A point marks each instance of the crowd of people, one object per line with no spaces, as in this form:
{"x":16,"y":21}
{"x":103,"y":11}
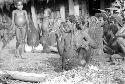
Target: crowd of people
{"x":77,"y":39}
{"x":80,"y":38}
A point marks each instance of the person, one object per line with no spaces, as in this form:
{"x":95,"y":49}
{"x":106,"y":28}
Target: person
{"x":83,"y":43}
{"x":65,"y":46}
{"x":71,"y":45}
{"x":6,"y":22}
{"x":39,"y":22}
{"x":120,"y":38}
{"x":19,"y":24}
{"x":46,"y":30}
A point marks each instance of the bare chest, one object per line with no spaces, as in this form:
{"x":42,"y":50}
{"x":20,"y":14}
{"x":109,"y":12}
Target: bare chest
{"x":20,"y":18}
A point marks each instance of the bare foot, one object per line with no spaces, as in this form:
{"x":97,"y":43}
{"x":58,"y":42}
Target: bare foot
{"x":16,"y":55}
{"x":19,"y":56}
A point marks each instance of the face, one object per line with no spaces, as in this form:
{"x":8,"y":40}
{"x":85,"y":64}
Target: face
{"x":19,"y":6}
{"x":101,"y":20}
{"x":65,"y":27}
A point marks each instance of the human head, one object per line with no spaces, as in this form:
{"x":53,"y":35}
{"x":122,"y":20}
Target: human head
{"x":19,"y":4}
{"x":71,"y":18}
{"x":47,"y":12}
{"x":65,"y":27}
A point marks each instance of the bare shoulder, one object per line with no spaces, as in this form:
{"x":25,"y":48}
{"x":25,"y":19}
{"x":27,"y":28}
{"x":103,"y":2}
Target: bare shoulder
{"x":15,"y":11}
{"x":24,"y":11}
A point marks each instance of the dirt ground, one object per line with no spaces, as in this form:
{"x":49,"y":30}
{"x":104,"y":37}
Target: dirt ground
{"x":100,"y":73}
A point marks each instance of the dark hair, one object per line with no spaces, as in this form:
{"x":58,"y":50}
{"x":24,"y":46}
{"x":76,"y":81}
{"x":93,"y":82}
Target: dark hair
{"x":71,"y":18}
{"x":17,"y":2}
{"x":113,"y":28}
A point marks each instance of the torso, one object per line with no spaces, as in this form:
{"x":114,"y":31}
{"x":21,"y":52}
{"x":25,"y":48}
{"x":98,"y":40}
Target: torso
{"x":69,"y":50}
{"x":67,"y":41}
{"x":20,"y":18}
{"x":46,"y":23}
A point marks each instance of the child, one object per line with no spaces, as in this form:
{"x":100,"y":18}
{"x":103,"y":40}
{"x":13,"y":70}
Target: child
{"x":19,"y":23}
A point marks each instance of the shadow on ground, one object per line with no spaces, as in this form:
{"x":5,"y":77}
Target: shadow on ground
{"x":56,"y":63}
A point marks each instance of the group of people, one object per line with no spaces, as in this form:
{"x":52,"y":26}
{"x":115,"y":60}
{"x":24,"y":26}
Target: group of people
{"x":71,"y":37}
{"x":75,"y":38}
{"x":78,"y":38}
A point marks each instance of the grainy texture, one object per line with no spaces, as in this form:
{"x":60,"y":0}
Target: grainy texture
{"x":96,"y":33}
{"x":51,"y":64}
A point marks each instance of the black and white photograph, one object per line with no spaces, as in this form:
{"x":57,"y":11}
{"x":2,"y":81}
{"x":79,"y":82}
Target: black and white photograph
{"x":62,"y":41}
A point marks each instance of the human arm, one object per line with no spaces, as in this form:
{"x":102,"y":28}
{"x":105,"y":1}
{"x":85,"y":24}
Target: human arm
{"x":120,"y":34}
{"x":12,"y":28}
{"x":13,"y":13}
{"x":60,"y":44}
{"x":90,"y":41}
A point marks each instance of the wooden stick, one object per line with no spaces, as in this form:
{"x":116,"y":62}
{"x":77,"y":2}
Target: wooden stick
{"x":31,"y":77}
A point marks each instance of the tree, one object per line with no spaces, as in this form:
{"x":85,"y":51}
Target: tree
{"x":71,"y":7}
{"x":84,"y":7}
{"x":34,"y":16}
{"x":62,"y":12}
{"x":76,"y":8}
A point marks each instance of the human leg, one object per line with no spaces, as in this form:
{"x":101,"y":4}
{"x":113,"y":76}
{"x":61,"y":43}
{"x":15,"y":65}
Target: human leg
{"x":18,"y":41}
{"x":82,"y":56}
{"x":23,"y":31}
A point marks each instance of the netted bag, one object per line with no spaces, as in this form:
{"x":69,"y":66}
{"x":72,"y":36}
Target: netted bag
{"x":78,"y":38}
{"x":96,"y":32}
